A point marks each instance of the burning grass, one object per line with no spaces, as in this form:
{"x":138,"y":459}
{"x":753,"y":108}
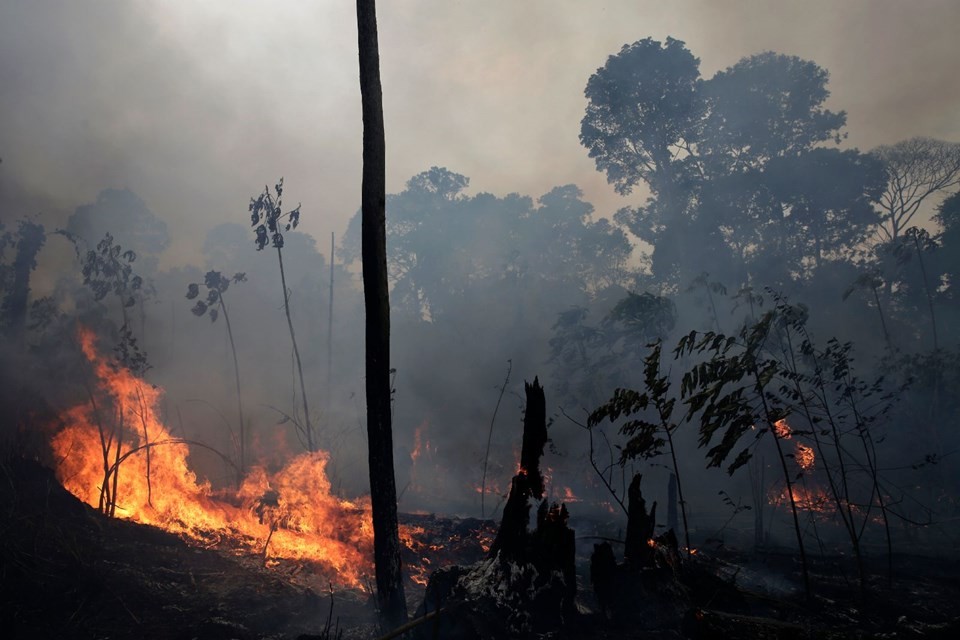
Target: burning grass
{"x":115,"y":453}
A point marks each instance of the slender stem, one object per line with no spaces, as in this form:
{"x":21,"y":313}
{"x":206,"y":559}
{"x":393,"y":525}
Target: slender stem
{"x":883,"y":322}
{"x":926,"y":289}
{"x":486,"y":457}
{"x":786,"y":477}
{"x":146,"y":441}
{"x":236,"y":372}
{"x":116,"y":465}
{"x":330,"y":326}
{"x":308,"y":427}
{"x":676,"y":473}
{"x":842,"y":502}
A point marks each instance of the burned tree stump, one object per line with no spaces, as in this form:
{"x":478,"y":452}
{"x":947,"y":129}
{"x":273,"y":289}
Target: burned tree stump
{"x":511,"y":541}
{"x":527,"y":584}
{"x":638,"y":548}
{"x":647,"y":591}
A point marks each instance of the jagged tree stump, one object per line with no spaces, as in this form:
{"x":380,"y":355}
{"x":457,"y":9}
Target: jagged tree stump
{"x":527,"y":584}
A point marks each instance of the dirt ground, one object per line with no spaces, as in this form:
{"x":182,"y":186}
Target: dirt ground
{"x":68,"y":572}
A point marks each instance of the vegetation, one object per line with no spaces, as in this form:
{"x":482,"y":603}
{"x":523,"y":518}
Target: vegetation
{"x":850,"y":354}
{"x":270,"y":221}
{"x":214,"y":305}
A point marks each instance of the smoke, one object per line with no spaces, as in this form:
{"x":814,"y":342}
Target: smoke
{"x":181,"y":112}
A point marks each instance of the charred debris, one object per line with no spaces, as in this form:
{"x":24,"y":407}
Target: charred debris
{"x":71,"y":571}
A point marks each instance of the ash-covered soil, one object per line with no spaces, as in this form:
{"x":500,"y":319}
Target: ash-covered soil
{"x":68,"y":572}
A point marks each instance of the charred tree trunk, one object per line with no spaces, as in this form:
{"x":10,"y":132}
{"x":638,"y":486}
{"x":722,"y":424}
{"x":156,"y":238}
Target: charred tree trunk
{"x":511,"y":540}
{"x":383,"y":489}
{"x":638,"y":550}
{"x":672,"y":503}
{"x":527,"y":585}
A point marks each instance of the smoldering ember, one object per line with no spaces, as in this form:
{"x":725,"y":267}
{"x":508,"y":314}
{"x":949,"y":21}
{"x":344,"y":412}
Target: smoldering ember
{"x":710,"y":393}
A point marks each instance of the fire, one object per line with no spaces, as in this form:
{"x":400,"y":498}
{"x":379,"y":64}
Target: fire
{"x":815,"y":500}
{"x":420,"y":444}
{"x":115,"y":454}
{"x":803,"y":454}
{"x":782,"y":429}
{"x":805,"y":457}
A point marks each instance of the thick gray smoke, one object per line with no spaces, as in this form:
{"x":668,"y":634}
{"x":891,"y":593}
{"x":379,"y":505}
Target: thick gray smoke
{"x":515,"y":244}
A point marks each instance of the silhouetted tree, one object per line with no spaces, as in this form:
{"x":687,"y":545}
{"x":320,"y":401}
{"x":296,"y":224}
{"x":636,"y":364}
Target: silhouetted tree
{"x":738,"y":184}
{"x":123,"y":215}
{"x":447,"y":249}
{"x":917,"y":169}
{"x":644,"y":112}
{"x":269,"y":221}
{"x":28,"y":240}
{"x":383,"y":490}
{"x":948,"y":217}
{"x":215,"y":304}
{"x":108,"y":269}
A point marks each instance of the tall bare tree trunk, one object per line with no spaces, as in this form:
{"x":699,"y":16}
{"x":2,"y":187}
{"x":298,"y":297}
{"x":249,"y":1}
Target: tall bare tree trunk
{"x":383,"y":489}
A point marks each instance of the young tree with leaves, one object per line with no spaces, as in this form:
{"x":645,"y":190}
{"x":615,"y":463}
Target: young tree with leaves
{"x":270,"y":221}
{"x":214,"y":305}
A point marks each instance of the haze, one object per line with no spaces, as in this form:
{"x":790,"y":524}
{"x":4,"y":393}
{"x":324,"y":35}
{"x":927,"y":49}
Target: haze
{"x":194,"y":106}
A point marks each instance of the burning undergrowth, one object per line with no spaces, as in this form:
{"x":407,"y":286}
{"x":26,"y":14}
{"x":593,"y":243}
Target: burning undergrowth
{"x":114,"y":453}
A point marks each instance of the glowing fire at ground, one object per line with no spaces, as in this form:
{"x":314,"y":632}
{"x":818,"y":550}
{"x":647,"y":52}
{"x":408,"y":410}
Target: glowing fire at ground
{"x":814,"y":500}
{"x":290,"y":514}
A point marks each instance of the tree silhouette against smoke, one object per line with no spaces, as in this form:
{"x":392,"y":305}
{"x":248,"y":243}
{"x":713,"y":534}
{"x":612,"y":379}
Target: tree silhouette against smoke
{"x":214,"y":305}
{"x":448,"y":250}
{"x":383,"y":489}
{"x":732,"y":164}
{"x":916,"y":169}
{"x":269,"y":221}
{"x":15,"y":277}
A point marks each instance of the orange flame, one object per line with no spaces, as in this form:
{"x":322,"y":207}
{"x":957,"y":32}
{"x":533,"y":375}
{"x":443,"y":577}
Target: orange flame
{"x":290,"y":514}
{"x":805,"y":457}
{"x":803,"y":454}
{"x":816,"y":500}
{"x":782,"y":429}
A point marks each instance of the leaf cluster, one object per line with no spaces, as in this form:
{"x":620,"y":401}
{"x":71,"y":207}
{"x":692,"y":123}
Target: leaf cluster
{"x":109,"y":269}
{"x":129,"y":355}
{"x":216,"y":284}
{"x":268,"y":218}
{"x":646,"y":438}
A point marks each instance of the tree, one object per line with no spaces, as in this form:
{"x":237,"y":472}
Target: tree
{"x":766,"y":106}
{"x":15,"y":278}
{"x":448,"y":250}
{"x":591,"y":358}
{"x":916,"y":169}
{"x":126,"y":217}
{"x":269,"y":222}
{"x":733,"y":164}
{"x":383,"y":489}
{"x":109,"y":269}
{"x":645,"y":109}
{"x":948,"y":217}
{"x":215,"y":304}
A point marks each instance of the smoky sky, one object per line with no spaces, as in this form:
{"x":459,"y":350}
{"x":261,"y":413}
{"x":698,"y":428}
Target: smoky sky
{"x":194,"y":106}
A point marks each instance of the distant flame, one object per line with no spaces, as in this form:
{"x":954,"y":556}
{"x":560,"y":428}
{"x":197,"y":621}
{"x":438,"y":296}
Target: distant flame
{"x":420,"y":443}
{"x":805,"y":457}
{"x":782,"y":429}
{"x":803,"y":454}
{"x":815,"y":500}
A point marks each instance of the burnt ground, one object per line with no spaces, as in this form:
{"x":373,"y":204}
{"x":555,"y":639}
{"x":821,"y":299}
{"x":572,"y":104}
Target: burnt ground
{"x":68,"y":572}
